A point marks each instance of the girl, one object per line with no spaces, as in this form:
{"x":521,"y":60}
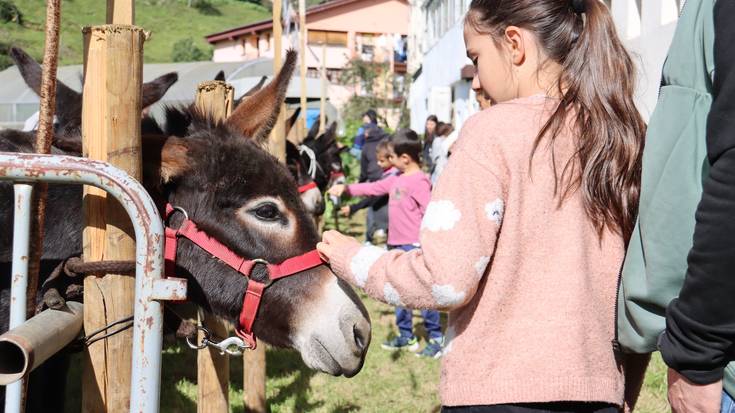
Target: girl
{"x":525,"y":232}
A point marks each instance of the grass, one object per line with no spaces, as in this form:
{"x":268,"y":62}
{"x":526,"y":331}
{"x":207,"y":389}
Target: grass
{"x":167,"y":20}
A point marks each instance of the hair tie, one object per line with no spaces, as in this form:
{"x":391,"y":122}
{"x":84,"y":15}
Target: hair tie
{"x":579,"y":6}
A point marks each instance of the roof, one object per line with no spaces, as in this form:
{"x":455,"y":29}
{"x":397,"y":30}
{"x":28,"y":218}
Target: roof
{"x":268,"y":24}
{"x":241,"y":75}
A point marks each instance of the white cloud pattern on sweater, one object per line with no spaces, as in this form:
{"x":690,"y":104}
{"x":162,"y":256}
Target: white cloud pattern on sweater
{"x":481,"y":265}
{"x":362,"y":261}
{"x":391,"y":295}
{"x":440,"y":216}
{"x":446,"y":296}
{"x":494,"y":211}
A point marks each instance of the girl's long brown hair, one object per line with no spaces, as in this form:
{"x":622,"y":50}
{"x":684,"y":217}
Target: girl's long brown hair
{"x":597,"y":84}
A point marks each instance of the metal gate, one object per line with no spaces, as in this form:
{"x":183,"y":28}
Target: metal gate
{"x":150,"y":286}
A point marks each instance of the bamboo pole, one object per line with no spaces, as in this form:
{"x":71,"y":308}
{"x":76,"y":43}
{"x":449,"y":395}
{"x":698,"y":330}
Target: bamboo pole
{"x":213,"y":369}
{"x":302,"y":59}
{"x":111,"y":110}
{"x":323,"y":97}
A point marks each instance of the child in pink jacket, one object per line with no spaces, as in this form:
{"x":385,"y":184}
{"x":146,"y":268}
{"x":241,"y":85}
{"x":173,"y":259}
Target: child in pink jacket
{"x":409,"y":192}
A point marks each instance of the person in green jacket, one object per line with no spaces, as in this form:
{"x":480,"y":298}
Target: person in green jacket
{"x":680,"y":241}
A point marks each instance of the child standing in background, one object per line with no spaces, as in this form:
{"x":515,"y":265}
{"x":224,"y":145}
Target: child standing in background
{"x":384,"y":154}
{"x":409,"y":193}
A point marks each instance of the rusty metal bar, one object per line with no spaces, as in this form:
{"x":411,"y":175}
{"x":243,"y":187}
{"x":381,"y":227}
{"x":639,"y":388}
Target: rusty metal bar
{"x":149,"y":285}
{"x":30,"y":344}
{"x":19,"y":282}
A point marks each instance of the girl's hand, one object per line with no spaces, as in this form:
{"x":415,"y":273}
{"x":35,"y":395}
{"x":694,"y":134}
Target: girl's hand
{"x":345,"y":211}
{"x":333,"y":241}
{"x":337,"y":190}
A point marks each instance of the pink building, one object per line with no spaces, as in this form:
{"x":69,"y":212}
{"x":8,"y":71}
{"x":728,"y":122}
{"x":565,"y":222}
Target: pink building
{"x":373,"y":30}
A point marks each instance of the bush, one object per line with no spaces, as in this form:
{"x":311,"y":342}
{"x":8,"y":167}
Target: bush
{"x":9,"y":12}
{"x":185,"y":50}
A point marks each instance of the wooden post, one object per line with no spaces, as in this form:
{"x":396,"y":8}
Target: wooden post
{"x":323,"y":98}
{"x":110,"y":132}
{"x":120,"y":12}
{"x":302,"y":58}
{"x":254,"y":361}
{"x":213,"y":369}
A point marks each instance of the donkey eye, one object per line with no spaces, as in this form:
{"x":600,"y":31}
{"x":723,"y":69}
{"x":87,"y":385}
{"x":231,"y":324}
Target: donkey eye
{"x":267,"y":212}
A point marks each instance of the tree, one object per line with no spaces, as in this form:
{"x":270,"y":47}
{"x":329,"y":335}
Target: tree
{"x":185,"y":50}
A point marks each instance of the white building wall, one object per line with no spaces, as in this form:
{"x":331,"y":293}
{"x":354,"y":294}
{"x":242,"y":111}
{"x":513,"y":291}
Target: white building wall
{"x":645,"y":26}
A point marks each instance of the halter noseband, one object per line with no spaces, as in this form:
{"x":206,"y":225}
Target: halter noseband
{"x":306,"y":187}
{"x":254,"y":292}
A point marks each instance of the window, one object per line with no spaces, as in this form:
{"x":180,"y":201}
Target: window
{"x":328,"y":38}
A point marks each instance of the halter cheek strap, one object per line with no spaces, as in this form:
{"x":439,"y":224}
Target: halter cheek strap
{"x":255,"y":289}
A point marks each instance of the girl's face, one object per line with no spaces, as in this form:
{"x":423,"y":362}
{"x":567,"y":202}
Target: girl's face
{"x":493,"y":66}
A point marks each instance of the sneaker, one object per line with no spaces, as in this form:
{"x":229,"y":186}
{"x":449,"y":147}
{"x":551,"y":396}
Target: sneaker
{"x":402,"y":343}
{"x":433,"y":349}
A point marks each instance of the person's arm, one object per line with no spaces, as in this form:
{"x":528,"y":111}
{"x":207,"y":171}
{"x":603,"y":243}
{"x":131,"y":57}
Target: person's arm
{"x":381,"y":187}
{"x":363,"y":203}
{"x":700,"y":324}
{"x":458,"y":235}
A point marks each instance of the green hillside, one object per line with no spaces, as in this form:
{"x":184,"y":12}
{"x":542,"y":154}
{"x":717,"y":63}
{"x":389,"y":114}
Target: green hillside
{"x":168,"y":21}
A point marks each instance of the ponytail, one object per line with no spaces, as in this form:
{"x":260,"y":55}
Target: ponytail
{"x":596,"y":85}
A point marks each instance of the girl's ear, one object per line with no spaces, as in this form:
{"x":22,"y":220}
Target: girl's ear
{"x":515,"y":42}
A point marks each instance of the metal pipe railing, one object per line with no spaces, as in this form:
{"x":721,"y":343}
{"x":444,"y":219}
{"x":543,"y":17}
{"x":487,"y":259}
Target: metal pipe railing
{"x":150,"y":286}
{"x":19,"y":281}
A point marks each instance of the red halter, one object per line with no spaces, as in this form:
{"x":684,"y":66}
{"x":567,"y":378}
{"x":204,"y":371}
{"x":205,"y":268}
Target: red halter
{"x":306,"y":187}
{"x":251,"y":299}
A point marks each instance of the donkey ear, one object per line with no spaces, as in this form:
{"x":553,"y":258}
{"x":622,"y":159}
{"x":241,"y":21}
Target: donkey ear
{"x":256,"y":115}
{"x":331,"y":133}
{"x":314,"y":130}
{"x":154,"y":90}
{"x":68,"y":102}
{"x":292,"y":120}
{"x":175,"y":160}
{"x":255,"y":88}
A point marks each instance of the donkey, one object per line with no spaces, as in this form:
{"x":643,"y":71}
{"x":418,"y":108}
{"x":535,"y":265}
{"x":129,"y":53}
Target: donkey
{"x":219,"y":173}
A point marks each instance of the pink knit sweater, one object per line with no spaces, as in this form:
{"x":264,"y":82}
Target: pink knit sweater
{"x":529,"y":286}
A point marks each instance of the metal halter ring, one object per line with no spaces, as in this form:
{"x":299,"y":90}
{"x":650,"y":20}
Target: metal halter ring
{"x":176,"y":209}
{"x":205,"y":340}
{"x":268,"y":282}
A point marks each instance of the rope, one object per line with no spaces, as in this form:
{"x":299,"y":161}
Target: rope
{"x":75,"y":266}
{"x":303,"y":149}
{"x":90,"y":338}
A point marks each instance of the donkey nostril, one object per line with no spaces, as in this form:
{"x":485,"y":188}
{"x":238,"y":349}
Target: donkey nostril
{"x":359,"y":339}
{"x":361,"y":334}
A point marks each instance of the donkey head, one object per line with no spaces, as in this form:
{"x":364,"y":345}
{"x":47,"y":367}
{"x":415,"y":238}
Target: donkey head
{"x":303,"y":168}
{"x":242,"y":196}
{"x":327,"y":153}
